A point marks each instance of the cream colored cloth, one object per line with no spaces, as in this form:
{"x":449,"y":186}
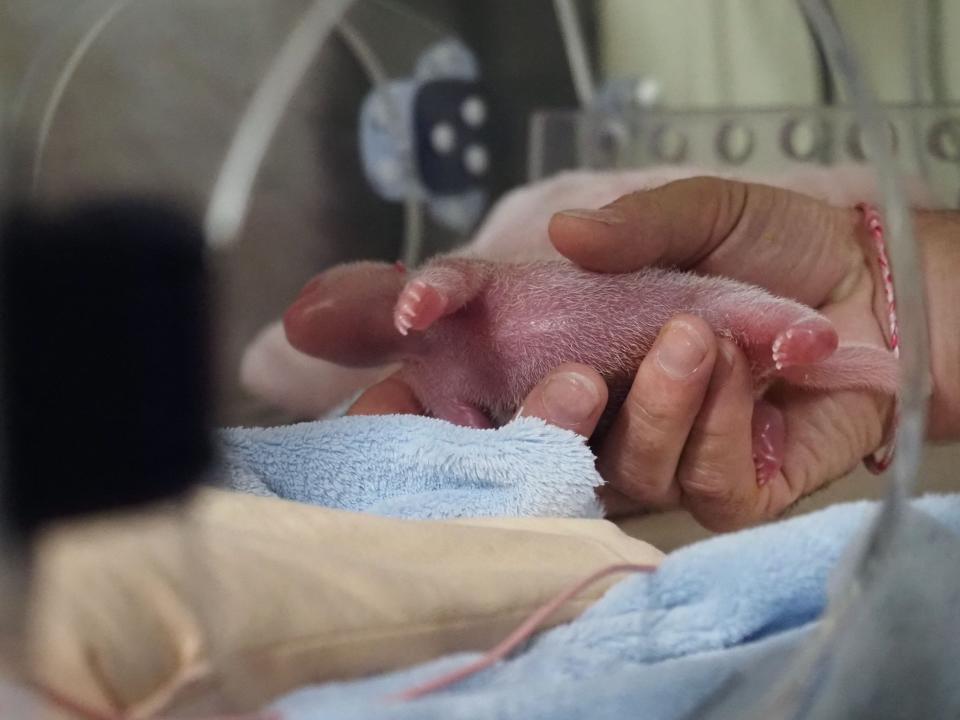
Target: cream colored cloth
{"x":133,"y":616}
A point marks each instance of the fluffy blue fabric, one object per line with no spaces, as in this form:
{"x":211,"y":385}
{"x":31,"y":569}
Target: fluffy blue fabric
{"x":416,"y":467}
{"x":657,"y":646}
{"x":665,"y":644}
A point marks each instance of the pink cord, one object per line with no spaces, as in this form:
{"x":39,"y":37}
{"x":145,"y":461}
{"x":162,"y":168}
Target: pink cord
{"x":880,"y":460}
{"x":522,"y":633}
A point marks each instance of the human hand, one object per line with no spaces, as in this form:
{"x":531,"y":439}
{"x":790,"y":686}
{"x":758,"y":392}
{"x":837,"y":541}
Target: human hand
{"x":687,"y":435}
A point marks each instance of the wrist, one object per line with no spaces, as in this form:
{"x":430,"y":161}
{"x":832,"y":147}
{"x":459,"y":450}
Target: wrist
{"x":938,"y":240}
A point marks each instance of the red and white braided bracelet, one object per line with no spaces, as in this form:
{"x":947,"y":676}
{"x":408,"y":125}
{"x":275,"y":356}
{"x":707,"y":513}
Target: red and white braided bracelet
{"x":880,"y":460}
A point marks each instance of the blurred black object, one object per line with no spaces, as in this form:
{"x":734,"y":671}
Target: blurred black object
{"x":105,"y":363}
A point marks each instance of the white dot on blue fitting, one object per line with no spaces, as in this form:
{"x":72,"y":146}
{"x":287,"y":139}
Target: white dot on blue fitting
{"x":443,"y":138}
{"x":473,"y":110}
{"x":388,"y":171}
{"x":476,"y":159}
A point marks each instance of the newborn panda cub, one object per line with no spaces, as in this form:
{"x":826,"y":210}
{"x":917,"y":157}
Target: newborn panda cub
{"x":474,"y":337}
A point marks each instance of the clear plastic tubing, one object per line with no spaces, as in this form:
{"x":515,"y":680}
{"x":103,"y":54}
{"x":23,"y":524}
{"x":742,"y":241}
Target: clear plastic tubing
{"x":412,"y":206}
{"x":94,"y":17}
{"x":230,"y":197}
{"x":914,"y":343}
{"x":786,"y":699}
{"x":576,"y":49}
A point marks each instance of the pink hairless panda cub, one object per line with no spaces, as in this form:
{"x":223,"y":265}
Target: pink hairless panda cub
{"x":474,"y":337}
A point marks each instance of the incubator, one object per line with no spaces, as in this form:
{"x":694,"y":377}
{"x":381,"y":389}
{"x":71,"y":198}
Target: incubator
{"x":163,"y":159}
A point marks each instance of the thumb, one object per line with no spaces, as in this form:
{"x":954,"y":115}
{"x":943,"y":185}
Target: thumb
{"x":792,"y":244}
{"x":573,"y":397}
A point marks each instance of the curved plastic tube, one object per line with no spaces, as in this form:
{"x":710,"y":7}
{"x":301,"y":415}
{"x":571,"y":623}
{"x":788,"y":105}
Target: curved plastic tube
{"x":231,"y":193}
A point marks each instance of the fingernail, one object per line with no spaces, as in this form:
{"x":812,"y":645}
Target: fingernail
{"x":723,"y":368}
{"x":607,"y":216}
{"x":569,"y":398}
{"x":728,"y":352}
{"x":681,"y":350}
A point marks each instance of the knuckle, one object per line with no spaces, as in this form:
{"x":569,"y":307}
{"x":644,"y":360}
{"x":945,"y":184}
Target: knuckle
{"x":643,"y":481}
{"x":653,"y":420}
{"x":661,"y":409}
{"x":715,"y":440}
{"x":726,"y":202}
{"x":710,"y":494}
{"x":720,"y":522}
{"x":706,"y":481}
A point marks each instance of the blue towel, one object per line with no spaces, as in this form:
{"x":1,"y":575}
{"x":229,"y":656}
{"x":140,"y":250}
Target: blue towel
{"x":416,"y":467}
{"x":667,"y":644}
